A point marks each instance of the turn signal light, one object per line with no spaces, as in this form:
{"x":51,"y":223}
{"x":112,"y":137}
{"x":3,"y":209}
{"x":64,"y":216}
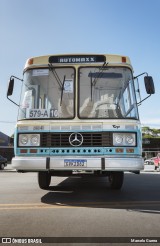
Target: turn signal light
{"x":33,"y":151}
{"x":119,"y":150}
{"x":23,"y":151}
{"x":130,"y":150}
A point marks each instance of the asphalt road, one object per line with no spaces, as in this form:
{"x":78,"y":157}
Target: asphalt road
{"x":79,"y":207}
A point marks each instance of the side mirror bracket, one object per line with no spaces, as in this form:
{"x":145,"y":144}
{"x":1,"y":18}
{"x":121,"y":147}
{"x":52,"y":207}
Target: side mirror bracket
{"x":11,"y":87}
{"x":149,"y":85}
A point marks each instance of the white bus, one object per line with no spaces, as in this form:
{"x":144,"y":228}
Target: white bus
{"x":78,"y":113}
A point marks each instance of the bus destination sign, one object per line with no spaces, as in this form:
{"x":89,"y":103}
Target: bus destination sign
{"x":77,"y":59}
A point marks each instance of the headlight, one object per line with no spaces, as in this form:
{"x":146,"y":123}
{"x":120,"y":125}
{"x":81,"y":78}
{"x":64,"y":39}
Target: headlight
{"x":129,"y":139}
{"x":29,"y":140}
{"x":35,"y":140}
{"x":23,"y":139}
{"x":124,"y":139}
{"x":118,"y":139}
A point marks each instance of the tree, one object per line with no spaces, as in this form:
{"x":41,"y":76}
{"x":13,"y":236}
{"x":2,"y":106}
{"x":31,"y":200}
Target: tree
{"x":148,"y":132}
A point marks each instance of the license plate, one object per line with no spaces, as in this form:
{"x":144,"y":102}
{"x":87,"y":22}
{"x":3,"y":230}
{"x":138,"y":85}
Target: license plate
{"x":75,"y":163}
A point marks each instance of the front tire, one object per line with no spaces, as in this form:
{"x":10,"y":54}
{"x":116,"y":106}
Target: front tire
{"x":2,"y":166}
{"x":44,"y":180}
{"x":116,"y":180}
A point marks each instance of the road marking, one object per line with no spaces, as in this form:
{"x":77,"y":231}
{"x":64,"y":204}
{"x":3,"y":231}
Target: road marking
{"x":30,"y":206}
{"x":117,"y":204}
{"x":8,"y":170}
{"x":81,"y":203}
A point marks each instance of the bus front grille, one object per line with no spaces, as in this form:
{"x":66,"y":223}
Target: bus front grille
{"x":90,"y":139}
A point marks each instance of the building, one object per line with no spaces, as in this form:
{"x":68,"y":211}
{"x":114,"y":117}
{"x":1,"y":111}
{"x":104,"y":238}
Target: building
{"x":151,"y":147}
{"x":4,"y":139}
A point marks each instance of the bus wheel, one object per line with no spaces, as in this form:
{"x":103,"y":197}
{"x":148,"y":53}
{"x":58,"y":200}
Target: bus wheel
{"x":44,"y":180}
{"x":116,"y":180}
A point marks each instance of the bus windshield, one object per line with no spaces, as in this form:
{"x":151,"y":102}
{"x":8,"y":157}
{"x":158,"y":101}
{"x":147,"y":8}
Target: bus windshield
{"x":103,"y":93}
{"x":48,"y":93}
{"x":106,"y":92}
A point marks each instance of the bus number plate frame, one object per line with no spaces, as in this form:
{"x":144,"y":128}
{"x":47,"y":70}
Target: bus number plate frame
{"x":75,"y":163}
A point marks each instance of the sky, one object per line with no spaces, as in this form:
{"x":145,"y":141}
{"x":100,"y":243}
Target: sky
{"x":31,"y":28}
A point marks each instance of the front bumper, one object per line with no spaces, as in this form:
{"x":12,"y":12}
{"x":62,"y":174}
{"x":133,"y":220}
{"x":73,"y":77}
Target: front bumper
{"x":93,"y":163}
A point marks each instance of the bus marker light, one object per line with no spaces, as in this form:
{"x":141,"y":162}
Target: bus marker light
{"x":124,"y":59}
{"x":30,"y":61}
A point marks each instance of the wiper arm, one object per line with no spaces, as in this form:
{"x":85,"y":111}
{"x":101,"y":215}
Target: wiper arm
{"x":62,"y":89}
{"x":101,"y":70}
{"x":61,"y":85}
{"x":91,"y":86}
{"x":51,"y":68}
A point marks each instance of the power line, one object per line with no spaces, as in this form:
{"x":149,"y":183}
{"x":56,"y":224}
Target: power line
{"x":8,"y":122}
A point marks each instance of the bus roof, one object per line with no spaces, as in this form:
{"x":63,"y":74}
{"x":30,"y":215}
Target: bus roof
{"x":77,"y":59}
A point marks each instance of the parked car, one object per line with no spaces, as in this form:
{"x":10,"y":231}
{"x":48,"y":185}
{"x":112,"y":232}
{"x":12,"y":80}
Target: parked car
{"x":3,"y":162}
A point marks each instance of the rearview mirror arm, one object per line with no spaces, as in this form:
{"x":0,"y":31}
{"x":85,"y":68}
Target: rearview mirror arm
{"x":139,"y":103}
{"x":7,"y":95}
{"x":12,"y":101}
{"x":140,"y":75}
{"x":16,"y":78}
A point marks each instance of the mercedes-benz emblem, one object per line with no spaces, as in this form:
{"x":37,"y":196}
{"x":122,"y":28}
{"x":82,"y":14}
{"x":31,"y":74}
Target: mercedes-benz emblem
{"x":76,"y":139}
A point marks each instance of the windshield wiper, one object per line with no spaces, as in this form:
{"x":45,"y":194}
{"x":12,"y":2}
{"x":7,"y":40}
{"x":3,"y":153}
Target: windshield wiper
{"x":62,"y":89}
{"x":93,"y":83}
{"x":91,"y":86}
{"x":52,"y":69}
{"x":101,"y":70}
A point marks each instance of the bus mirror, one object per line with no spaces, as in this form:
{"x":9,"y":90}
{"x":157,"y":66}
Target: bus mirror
{"x":10,"y":87}
{"x":149,"y":84}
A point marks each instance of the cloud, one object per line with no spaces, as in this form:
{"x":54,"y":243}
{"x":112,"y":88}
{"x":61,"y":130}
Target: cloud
{"x":152,"y":122}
